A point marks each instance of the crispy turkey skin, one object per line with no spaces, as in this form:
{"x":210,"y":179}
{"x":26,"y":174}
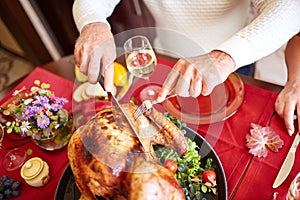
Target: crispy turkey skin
{"x":107,"y":159}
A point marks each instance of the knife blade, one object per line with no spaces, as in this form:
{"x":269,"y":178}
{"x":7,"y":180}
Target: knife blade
{"x":118,"y":107}
{"x":288,"y":163}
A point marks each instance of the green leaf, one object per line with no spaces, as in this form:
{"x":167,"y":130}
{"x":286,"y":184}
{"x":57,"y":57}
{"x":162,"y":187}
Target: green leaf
{"x":17,"y":129}
{"x":9,"y":130}
{"x":78,"y":120}
{"x":134,"y":101}
{"x":29,"y":152}
{"x":209,"y":164}
{"x":203,"y":188}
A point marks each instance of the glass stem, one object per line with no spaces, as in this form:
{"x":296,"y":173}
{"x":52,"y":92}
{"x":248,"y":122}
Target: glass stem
{"x":1,"y":147}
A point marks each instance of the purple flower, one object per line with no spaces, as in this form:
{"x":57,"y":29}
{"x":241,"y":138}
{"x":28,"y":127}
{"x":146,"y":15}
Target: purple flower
{"x":46,"y":107}
{"x":43,"y":122}
{"x":18,"y":119}
{"x":36,"y":110}
{"x":63,"y":100}
{"x":28,"y":112}
{"x":41,"y":100}
{"x":56,"y":106}
{"x":23,"y":134}
{"x":58,"y":103}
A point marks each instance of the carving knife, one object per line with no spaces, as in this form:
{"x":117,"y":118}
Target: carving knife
{"x":122,"y":112}
{"x":288,"y":163}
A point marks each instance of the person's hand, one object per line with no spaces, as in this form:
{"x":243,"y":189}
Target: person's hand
{"x":95,"y":52}
{"x":287,"y":102}
{"x":197,"y":75}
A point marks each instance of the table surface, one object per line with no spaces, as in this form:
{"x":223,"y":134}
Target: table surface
{"x":248,"y":177}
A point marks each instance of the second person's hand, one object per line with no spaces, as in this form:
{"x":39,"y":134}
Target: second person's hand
{"x":197,"y":75}
{"x":95,"y":52}
{"x":287,"y":102}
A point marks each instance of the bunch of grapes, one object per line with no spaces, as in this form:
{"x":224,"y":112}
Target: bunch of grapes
{"x":9,"y":187}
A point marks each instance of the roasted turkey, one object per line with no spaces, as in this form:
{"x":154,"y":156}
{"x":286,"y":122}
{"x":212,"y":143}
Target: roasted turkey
{"x":108,"y":160}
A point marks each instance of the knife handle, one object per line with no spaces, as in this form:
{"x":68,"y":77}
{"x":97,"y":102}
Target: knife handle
{"x":295,"y":143}
{"x":101,"y":81}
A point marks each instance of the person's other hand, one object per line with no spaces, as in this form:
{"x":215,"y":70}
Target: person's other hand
{"x":287,"y":102}
{"x":197,"y":75}
{"x":95,"y":52}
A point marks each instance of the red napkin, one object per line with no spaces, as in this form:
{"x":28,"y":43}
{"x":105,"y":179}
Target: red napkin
{"x":263,"y":171}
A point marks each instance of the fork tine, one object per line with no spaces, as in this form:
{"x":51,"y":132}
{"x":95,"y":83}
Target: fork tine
{"x":137,"y":110}
{"x":141,"y":110}
{"x":136,"y":113}
{"x":146,"y":105}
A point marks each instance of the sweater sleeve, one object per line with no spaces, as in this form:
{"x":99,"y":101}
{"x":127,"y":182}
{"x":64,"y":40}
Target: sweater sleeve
{"x":89,"y":11}
{"x":277,"y":21}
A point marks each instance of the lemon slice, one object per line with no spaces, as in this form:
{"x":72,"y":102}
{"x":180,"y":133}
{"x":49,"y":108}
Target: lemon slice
{"x":79,"y":75}
{"x":77,"y":94}
{"x":95,"y":90}
{"x":120,"y":75}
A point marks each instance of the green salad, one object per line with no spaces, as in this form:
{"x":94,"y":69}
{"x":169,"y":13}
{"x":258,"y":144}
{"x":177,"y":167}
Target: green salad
{"x":194,"y":177}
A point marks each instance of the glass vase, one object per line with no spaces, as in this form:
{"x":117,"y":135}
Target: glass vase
{"x":53,"y":138}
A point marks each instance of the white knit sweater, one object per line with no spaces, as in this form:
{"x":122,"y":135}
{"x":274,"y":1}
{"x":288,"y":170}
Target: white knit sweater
{"x":194,"y":27}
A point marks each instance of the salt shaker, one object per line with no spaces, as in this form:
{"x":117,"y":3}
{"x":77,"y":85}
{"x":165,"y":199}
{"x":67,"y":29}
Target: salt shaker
{"x":294,"y":190}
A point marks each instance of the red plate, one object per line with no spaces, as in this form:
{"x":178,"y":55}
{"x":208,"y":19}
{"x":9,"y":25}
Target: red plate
{"x":222,"y":103}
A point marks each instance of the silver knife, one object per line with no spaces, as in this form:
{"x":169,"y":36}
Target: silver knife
{"x":288,"y":163}
{"x":122,"y":112}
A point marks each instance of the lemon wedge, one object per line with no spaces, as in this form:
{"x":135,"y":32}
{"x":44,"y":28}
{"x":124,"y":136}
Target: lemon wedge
{"x":79,"y":75}
{"x":120,"y":75}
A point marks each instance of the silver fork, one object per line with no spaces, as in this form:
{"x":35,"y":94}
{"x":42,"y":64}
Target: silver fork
{"x":147,"y":105}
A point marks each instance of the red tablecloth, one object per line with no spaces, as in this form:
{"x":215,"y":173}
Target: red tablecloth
{"x":259,"y":178}
{"x":247,"y":177}
{"x":57,"y":160}
{"x":230,"y":143}
{"x":228,"y":140}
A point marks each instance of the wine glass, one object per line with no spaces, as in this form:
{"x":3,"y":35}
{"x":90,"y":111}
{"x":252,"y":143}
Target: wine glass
{"x":294,"y":189}
{"x":13,"y":159}
{"x":140,"y":57}
{"x":141,"y":62}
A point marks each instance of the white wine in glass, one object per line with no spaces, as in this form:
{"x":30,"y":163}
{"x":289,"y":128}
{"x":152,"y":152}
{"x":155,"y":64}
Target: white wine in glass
{"x":140,"y":57}
{"x":13,"y":159}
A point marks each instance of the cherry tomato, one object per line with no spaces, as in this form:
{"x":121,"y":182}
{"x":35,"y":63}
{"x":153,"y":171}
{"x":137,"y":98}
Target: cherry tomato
{"x":171,"y":165}
{"x":209,"y":176}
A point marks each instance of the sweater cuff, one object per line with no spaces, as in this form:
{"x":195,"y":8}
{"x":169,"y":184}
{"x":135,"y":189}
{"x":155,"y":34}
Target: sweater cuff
{"x":91,"y":18}
{"x":239,"y":49}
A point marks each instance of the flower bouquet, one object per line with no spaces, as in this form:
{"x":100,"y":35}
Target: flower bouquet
{"x":40,"y":114}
